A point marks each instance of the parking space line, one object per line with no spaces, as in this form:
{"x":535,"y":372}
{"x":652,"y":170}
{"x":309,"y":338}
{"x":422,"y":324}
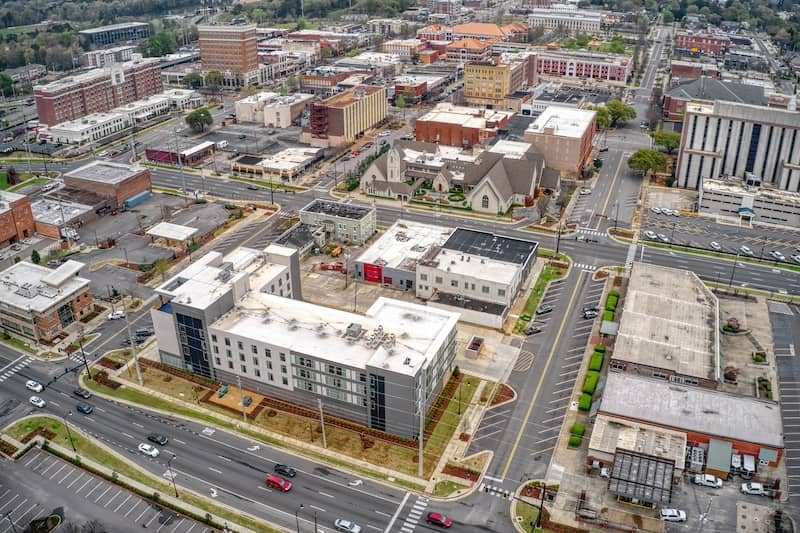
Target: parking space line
{"x":142,"y":514}
{"x":32,"y":459}
{"x":547,"y":439}
{"x":487,"y":435}
{"x":14,"y":510}
{"x":85,"y":483}
{"x":9,"y":501}
{"x":4,"y":494}
{"x":123,"y":503}
{"x":557,"y":400}
{"x":559,"y":417}
{"x":114,"y":497}
{"x":154,"y":517}
{"x":43,"y":459}
{"x":69,"y":473}
{"x":570,"y":365}
{"x":191,"y":528}
{"x":559,"y":391}
{"x":104,"y":493}
{"x":31,"y":508}
{"x":566,"y":380}
{"x":57,"y":471}
{"x":76,"y":479}
{"x":178,"y":524}
{"x":573,"y":357}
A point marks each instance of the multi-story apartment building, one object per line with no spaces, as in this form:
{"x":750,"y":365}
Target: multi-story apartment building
{"x":210,"y":287}
{"x":106,"y":57}
{"x":382,"y":369}
{"x":16,"y":218}
{"x":712,"y":45}
{"x":708,"y":90}
{"x":117,"y":33}
{"x":601,"y":67}
{"x":97,"y":91}
{"x":342,"y":222}
{"x":231,"y":50}
{"x":565,"y":137}
{"x":487,"y":83}
{"x":570,"y":20}
{"x":340,"y":119}
{"x":757,"y":144}
{"x":39,"y":303}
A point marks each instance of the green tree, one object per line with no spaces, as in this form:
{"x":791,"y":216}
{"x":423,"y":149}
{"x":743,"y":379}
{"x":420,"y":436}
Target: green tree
{"x":161,"y":44}
{"x":602,"y":117}
{"x":301,"y":24}
{"x":399,"y":101}
{"x":215,"y":79}
{"x":6,"y":83}
{"x":647,"y":160}
{"x":258,"y":15}
{"x":199,"y":119}
{"x":668,"y":17}
{"x":669,"y":140}
{"x":35,"y":257}
{"x":248,"y":90}
{"x":619,"y":112}
{"x":193,"y":80}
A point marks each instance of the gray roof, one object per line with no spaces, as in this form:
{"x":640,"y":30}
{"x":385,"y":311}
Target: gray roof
{"x":508,"y":175}
{"x":551,"y":179}
{"x":707,"y":88}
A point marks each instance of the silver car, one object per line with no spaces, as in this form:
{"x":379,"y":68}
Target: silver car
{"x":346,"y":526}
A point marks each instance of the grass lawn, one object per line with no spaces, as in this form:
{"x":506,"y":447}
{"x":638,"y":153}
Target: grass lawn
{"x":528,"y":513}
{"x":17,"y":344}
{"x":446,"y":488}
{"x":549,"y":273}
{"x":451,"y":418}
{"x":35,"y":182}
{"x":4,"y":179}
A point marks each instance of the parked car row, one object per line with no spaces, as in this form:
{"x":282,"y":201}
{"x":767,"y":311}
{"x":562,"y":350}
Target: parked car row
{"x":665,"y":211}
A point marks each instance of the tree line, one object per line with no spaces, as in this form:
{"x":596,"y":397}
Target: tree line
{"x":86,"y":12}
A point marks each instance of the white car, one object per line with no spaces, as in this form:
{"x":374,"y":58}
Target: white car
{"x":585,"y":191}
{"x":116,"y":315}
{"x":777,"y":255}
{"x":672,"y":515}
{"x":384,"y":134}
{"x":707,"y":480}
{"x":754,"y":488}
{"x":663,"y":238}
{"x":796,"y":258}
{"x":651,"y":235}
{"x":715,"y":246}
{"x":148,"y":449}
{"x":656,"y":210}
{"x":38,"y":402}
{"x":35,"y":386}
{"x":347,"y":526}
{"x":675,"y":213}
{"x":746,"y":251}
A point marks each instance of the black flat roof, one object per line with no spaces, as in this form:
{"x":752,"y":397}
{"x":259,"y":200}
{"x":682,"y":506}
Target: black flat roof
{"x":641,"y":477}
{"x":337,"y":209}
{"x":490,"y":245}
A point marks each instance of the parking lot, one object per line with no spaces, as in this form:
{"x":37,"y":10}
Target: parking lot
{"x":159,"y":207}
{"x":41,"y":244}
{"x":40,"y":482}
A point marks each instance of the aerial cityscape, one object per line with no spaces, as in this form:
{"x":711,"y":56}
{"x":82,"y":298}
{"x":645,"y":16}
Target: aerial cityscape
{"x":320,"y":266}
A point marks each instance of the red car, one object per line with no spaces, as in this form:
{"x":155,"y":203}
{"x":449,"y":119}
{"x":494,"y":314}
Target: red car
{"x":439,"y":520}
{"x":355,"y":154}
{"x":277,"y":482}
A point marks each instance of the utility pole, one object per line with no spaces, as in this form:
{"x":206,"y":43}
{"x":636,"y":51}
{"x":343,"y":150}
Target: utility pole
{"x":322,"y":422}
{"x":616,"y":216}
{"x":133,"y":344}
{"x":733,"y":270}
{"x":672,"y":235}
{"x":69,"y":435}
{"x":171,"y":474}
{"x":241,"y":397}
{"x":558,"y":237}
{"x":83,"y":354}
{"x":420,"y":467}
{"x":180,"y":160}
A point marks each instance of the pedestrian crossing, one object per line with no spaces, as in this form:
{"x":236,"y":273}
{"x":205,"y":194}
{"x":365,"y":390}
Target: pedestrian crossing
{"x":493,"y":490}
{"x":14,"y":367}
{"x":585,"y":267}
{"x":414,"y":515}
{"x":592,"y":232}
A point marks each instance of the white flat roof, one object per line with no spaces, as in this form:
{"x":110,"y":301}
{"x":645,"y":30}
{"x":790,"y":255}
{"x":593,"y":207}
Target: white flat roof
{"x":88,"y":122}
{"x":476,"y":266}
{"x":510,"y":149}
{"x":173,"y":232}
{"x":105,"y":172}
{"x":306,"y":328}
{"x":610,"y":433}
{"x":38,"y":288}
{"x":50,"y":211}
{"x":289,"y":159}
{"x":403,"y":244}
{"x":693,"y":409}
{"x":198,"y":148}
{"x":566,"y":121}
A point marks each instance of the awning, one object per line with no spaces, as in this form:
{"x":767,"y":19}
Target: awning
{"x":719,"y":455}
{"x":765,"y":455}
{"x":746,"y":211}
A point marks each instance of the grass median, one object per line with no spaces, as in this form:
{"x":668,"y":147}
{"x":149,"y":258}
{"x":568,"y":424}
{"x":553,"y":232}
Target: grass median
{"x":548,"y":274}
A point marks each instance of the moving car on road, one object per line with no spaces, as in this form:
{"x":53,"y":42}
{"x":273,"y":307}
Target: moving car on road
{"x":707,"y":480}
{"x":35,"y":386}
{"x":84,"y":408}
{"x":286,"y":470}
{"x":346,"y":525}
{"x":38,"y":402}
{"x":83,"y":393}
{"x":155,"y":438}
{"x":439,"y":520}
{"x":672,"y":515}
{"x":116,"y":315}
{"x":277,"y":482}
{"x":148,"y":449}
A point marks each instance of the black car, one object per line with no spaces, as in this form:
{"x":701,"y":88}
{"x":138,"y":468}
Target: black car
{"x":158,"y":439}
{"x":590,"y":308}
{"x":286,"y":470}
{"x":83,"y":393}
{"x":253,"y":187}
{"x":84,"y":408}
{"x":544,"y":309}
{"x":589,"y":314}
{"x":144,"y":332}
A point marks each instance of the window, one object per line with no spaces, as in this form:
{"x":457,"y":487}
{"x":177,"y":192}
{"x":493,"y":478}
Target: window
{"x":283,"y":357}
{"x":216,"y":349}
{"x":258,"y":373}
{"x":423,"y":277}
{"x":267,"y":352}
{"x":439,"y":280}
{"x":241,"y":357}
{"x":228,"y":353}
{"x":270,"y":376}
{"x":254,"y":348}
{"x":227,"y":341}
{"x":230,"y":365}
{"x":485,"y":289}
{"x":240,"y":345}
{"x":501,"y":292}
{"x":269,"y":365}
{"x":213,"y":338}
{"x":283,"y":369}
{"x":659,"y":375}
{"x":285,"y":381}
{"x":362,"y":378}
{"x":454,"y":283}
{"x":485,"y":202}
{"x":255,"y":360}
{"x":244,"y":369}
{"x":217,"y":361}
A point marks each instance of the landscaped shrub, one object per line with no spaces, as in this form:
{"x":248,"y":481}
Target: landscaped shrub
{"x":613,"y":293}
{"x":608,"y":316}
{"x":578,"y":429}
{"x":584,"y":402}
{"x":600,"y":348}
{"x":574,"y":441}
{"x":596,"y":362}
{"x":590,"y":382}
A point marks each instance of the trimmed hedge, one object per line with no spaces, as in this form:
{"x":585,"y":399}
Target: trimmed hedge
{"x":600,"y":348}
{"x":574,"y":441}
{"x":590,"y":382}
{"x":584,"y":402}
{"x":613,"y":293}
{"x":578,"y":429}
{"x":596,"y":362}
{"x":608,"y":316}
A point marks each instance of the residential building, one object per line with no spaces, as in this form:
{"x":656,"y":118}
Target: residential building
{"x":342,"y":118}
{"x":447,"y":11}
{"x":88,"y":129}
{"x":569,"y":20}
{"x":160,"y":104}
{"x":106,"y":57}
{"x":487,"y":83}
{"x":736,"y":202}
{"x":272,"y":109}
{"x":117,"y":33}
{"x":97,"y":91}
{"x":728,"y":139}
{"x":16,"y":218}
{"x":708,"y":90}
{"x":231,"y":50}
{"x":118,"y":182}
{"x":39,"y":302}
{"x":407,"y":49}
{"x":382,"y":369}
{"x":347,"y":223}
{"x":702,"y":43}
{"x":192,"y":300}
{"x":703,"y":415}
{"x":565,"y":136}
{"x":460,"y":126}
{"x":27,"y":73}
{"x":601,"y":67}
{"x":467,"y":50}
{"x":669,"y":328}
{"x":479,"y":273}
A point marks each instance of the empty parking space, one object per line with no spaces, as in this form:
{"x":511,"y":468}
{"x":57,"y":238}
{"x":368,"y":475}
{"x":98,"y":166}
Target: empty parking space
{"x":88,"y":495}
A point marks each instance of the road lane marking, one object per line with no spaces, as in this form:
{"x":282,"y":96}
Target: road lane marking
{"x":214,"y":470}
{"x":325,"y":494}
{"x":320,"y":509}
{"x":542,"y":376}
{"x":137,"y":425}
{"x":397,"y":512}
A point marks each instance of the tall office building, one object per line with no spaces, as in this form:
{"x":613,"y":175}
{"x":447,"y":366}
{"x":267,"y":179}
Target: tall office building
{"x":758,"y":144}
{"x":231,"y":50}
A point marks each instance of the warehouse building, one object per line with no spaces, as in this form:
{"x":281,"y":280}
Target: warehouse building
{"x":117,"y":182}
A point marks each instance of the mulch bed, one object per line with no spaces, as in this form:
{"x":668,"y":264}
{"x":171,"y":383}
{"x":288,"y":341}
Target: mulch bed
{"x":440,"y":404}
{"x":44,"y":432}
{"x":7,"y":448}
{"x":456,"y":471}
{"x":503,"y":395}
{"x":194,"y":378}
{"x":108,"y":363}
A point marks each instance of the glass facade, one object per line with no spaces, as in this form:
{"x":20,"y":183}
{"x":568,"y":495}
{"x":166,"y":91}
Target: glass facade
{"x":191,"y":334}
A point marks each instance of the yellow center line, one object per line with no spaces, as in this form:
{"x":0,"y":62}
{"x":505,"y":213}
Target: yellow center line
{"x":610,"y":191}
{"x":542,"y":377}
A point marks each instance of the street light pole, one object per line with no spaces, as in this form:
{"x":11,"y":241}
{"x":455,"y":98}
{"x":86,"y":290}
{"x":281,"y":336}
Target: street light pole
{"x":14,"y":527}
{"x":69,"y":435}
{"x":171,"y":475}
{"x":297,"y":518}
{"x":83,"y":354}
{"x":733,"y":270}
{"x":672,"y":235}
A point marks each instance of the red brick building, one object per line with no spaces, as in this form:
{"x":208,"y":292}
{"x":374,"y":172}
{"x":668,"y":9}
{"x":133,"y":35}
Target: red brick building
{"x":565,"y":64}
{"x":16,"y":218}
{"x":460,"y":126}
{"x":97,"y":91}
{"x":114,"y":181}
{"x":711,"y":45}
{"x":685,"y":70}
{"x":230,"y":50}
{"x":466,"y":50}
